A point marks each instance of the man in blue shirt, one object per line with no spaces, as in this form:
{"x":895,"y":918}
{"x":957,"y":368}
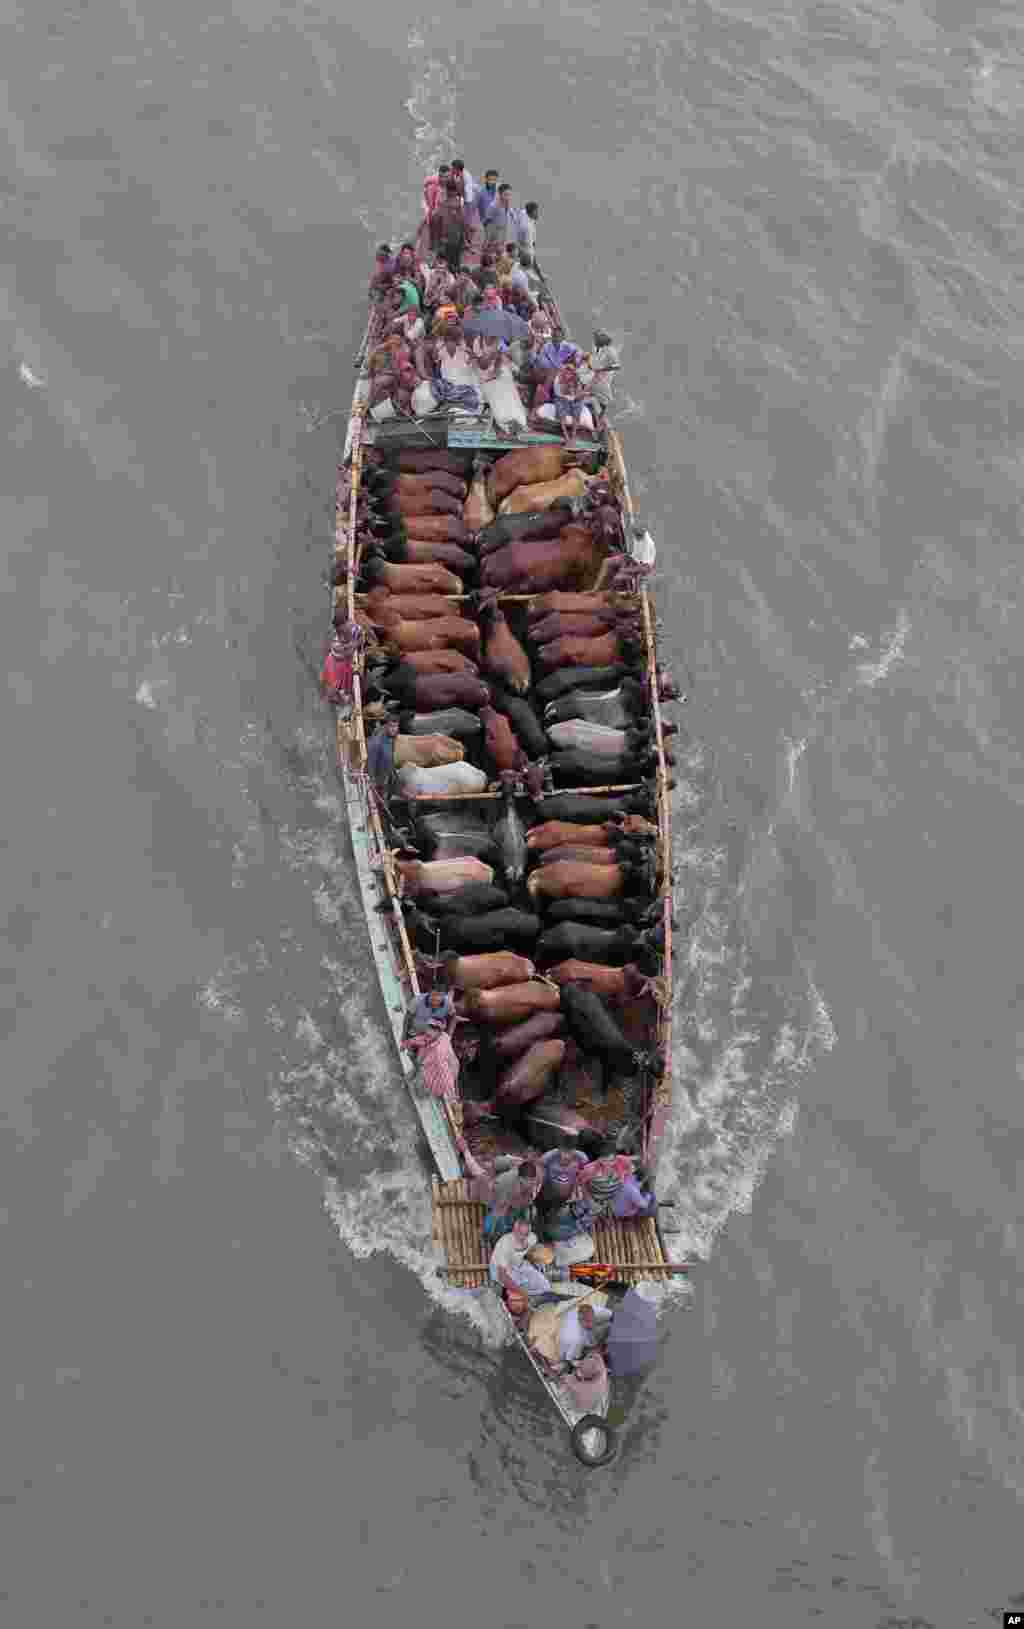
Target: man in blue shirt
{"x":487,"y":195}
{"x":380,"y":756}
{"x":502,"y":223}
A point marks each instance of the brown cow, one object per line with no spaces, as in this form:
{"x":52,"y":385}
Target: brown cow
{"x":477,"y":511}
{"x":512,"y":1002}
{"x":570,"y":558}
{"x":419,"y":460}
{"x":585,"y":623}
{"x":439,"y":661}
{"x":578,"y":851}
{"x":438,"y":528}
{"x":552,"y":833}
{"x":574,"y":879}
{"x":422,"y":549}
{"x":572,"y":650}
{"x":528,"y":1077}
{"x":384,"y":607}
{"x":617,"y":984}
{"x":431,"y":478}
{"x":633,"y":825}
{"x":503,"y":655}
{"x":426,"y":579}
{"x":429,"y":500}
{"x":529,"y":464}
{"x":500,"y":739}
{"x":490,"y":971}
{"x":430,"y":692}
{"x":595,"y":599}
{"x":435,"y":635}
{"x":529,"y":499}
{"x":441,"y":876}
{"x":427,"y":751}
{"x":541,"y":1027}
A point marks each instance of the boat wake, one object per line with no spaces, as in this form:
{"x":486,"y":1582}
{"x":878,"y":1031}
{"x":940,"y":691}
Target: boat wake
{"x":748,"y":1022}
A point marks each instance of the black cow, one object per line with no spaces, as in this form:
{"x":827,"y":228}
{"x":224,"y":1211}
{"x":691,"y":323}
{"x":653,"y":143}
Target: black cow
{"x":506,"y":929}
{"x":472,"y":900}
{"x":612,"y":947}
{"x":575,"y":766}
{"x":456,"y":721}
{"x":589,"y":810}
{"x":524,"y":721}
{"x":618,"y":707}
{"x":603,"y":913}
{"x":533,"y":526}
{"x":594,"y":1029}
{"x":578,"y":678}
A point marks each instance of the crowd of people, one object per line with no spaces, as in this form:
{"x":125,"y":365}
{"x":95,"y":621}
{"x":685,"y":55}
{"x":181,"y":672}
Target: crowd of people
{"x":464,"y":320}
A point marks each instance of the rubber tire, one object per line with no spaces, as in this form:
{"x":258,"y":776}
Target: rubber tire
{"x":591,"y":1422}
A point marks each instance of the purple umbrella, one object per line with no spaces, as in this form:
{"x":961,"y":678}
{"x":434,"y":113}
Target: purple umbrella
{"x":496,"y":324}
{"x":633,"y":1337}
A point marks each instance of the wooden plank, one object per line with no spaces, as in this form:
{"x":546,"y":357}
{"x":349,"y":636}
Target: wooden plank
{"x":476,"y":797}
{"x":460,"y":437}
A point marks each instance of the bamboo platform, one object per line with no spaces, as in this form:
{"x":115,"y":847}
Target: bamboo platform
{"x":457,"y":1230}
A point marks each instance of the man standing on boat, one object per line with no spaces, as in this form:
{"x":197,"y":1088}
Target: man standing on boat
{"x":466,"y":183}
{"x":487,"y":195}
{"x":502,"y":221}
{"x":380,"y":757}
{"x":526,"y":227}
{"x":509,"y":1188}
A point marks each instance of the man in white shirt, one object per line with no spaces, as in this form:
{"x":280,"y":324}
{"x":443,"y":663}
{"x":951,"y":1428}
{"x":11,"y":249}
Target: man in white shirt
{"x":509,"y":1264}
{"x":526,"y":234}
{"x":582,"y":1327}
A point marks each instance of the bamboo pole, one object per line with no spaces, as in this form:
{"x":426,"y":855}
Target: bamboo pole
{"x":583,"y":1266}
{"x":662,"y":1086}
{"x":473,"y":1237}
{"x":462,"y":1227}
{"x":564,"y":792}
{"x":435,"y":1210}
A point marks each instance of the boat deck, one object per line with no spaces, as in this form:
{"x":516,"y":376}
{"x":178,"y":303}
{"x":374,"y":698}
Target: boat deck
{"x":458,"y":1223}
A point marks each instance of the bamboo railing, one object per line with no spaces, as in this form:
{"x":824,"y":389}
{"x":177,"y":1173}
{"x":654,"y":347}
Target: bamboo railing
{"x":661,"y":1094}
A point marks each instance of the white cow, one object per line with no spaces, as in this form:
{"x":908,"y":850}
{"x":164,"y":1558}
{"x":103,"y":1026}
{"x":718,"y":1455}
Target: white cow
{"x":443,"y":778}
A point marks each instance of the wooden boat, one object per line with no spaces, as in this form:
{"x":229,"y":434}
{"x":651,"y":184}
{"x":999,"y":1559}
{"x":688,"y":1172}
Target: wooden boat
{"x":634,"y":1249}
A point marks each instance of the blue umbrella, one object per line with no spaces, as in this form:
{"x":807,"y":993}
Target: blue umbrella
{"x":633,"y":1337}
{"x":496,"y":324}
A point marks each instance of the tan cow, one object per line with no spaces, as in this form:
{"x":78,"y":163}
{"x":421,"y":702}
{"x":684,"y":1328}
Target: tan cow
{"x":529,"y":499}
{"x":427,"y":751}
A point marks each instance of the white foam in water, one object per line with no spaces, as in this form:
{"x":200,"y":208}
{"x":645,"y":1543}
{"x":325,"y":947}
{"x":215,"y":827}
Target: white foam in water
{"x":872,"y":673}
{"x":739,"y":1046}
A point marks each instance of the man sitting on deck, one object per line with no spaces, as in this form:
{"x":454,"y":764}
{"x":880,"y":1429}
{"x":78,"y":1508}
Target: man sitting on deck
{"x":510,"y":1266}
{"x":582,"y":1327}
{"x":587,"y":1383}
{"x":432,"y":1009}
